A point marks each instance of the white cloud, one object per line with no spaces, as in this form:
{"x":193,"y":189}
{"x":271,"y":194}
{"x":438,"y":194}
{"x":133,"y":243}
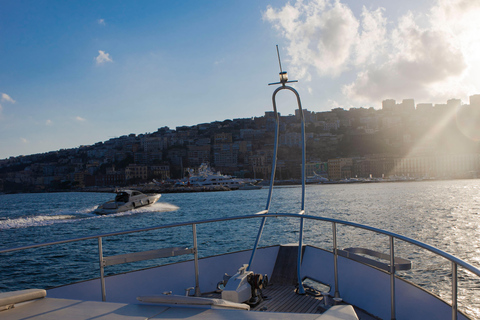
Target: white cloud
{"x":370,"y":41}
{"x":420,"y":60}
{"x":321,"y":34}
{"x":101,"y":22}
{"x":7,"y":98}
{"x":421,"y":55}
{"x":48,"y":122}
{"x":103,"y":57}
{"x":334,"y":104}
{"x":78,"y":118}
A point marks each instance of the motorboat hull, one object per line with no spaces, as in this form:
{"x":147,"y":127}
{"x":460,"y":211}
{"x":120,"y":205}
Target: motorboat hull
{"x":113,"y":206}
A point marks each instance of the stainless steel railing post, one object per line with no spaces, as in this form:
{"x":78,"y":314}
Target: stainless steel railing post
{"x":454,"y":291}
{"x":392,"y":279}
{"x":195,"y":254}
{"x":301,"y":289}
{"x":102,"y":278}
{"x":335,"y":258}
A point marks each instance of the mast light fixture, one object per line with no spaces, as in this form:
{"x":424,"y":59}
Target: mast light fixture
{"x":283,"y":74}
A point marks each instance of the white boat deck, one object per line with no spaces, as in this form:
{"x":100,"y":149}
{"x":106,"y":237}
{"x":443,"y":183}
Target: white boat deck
{"x":55,"y":309}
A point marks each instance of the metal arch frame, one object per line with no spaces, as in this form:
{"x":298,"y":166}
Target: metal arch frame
{"x":301,"y":289}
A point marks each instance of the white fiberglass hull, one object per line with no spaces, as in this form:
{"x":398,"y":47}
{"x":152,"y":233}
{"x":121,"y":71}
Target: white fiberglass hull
{"x":113,"y":207}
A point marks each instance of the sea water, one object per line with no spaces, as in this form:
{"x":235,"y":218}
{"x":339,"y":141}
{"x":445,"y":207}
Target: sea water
{"x":445,"y":214}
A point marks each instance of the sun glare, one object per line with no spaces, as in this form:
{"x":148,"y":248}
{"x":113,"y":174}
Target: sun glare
{"x":468,"y":121}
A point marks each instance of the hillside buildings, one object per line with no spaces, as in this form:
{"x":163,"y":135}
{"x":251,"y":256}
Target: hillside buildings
{"x":400,"y":140}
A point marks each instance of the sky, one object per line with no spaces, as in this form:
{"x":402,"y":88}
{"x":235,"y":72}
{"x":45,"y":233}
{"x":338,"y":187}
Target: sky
{"x":79,"y":72}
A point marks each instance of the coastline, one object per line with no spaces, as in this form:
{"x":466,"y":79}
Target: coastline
{"x":152,"y":188}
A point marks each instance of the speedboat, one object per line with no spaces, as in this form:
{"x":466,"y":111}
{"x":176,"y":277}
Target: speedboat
{"x":319,"y":280}
{"x":127,"y":200}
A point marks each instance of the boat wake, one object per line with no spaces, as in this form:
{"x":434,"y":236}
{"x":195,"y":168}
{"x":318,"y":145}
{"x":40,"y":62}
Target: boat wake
{"x":68,"y":216}
{"x":35,"y":221}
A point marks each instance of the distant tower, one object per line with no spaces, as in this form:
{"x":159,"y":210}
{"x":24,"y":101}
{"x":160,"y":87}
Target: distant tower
{"x":388,"y":104}
{"x":408,"y":105}
{"x":424,"y":107}
{"x":475,"y":100}
{"x":455,"y":103}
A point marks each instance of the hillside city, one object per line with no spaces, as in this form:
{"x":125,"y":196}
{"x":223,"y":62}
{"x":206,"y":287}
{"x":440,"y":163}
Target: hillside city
{"x":400,"y":141}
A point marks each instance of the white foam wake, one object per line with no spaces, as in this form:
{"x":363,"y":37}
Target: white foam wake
{"x":42,"y":220}
{"x":81,"y":214}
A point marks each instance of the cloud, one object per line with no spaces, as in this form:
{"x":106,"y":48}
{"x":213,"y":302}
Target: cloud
{"x":421,"y":59}
{"x":103,"y":57}
{"x":420,"y":55}
{"x":370,"y":40}
{"x":101,"y":22}
{"x":321,"y":34}
{"x":7,"y":98}
{"x":80,"y":119}
{"x":48,"y":122}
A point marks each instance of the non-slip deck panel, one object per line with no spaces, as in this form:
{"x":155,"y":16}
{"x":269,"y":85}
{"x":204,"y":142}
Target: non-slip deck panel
{"x":284,"y":299}
{"x":285,"y":269}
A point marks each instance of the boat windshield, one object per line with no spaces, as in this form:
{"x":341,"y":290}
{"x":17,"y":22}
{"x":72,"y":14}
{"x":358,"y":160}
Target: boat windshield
{"x":121,"y":197}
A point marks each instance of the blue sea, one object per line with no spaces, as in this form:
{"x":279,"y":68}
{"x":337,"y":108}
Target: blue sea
{"x":445,"y":214}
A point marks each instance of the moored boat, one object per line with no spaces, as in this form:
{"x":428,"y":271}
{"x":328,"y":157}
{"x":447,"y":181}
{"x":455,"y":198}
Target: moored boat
{"x":208,"y":178}
{"x":127,"y":200}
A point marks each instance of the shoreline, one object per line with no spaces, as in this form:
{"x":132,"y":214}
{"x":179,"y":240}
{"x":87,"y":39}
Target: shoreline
{"x":150,"y":188}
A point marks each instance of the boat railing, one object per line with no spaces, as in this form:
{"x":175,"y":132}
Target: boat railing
{"x":374,"y":258}
{"x":393,"y":264}
{"x":146,"y":255}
